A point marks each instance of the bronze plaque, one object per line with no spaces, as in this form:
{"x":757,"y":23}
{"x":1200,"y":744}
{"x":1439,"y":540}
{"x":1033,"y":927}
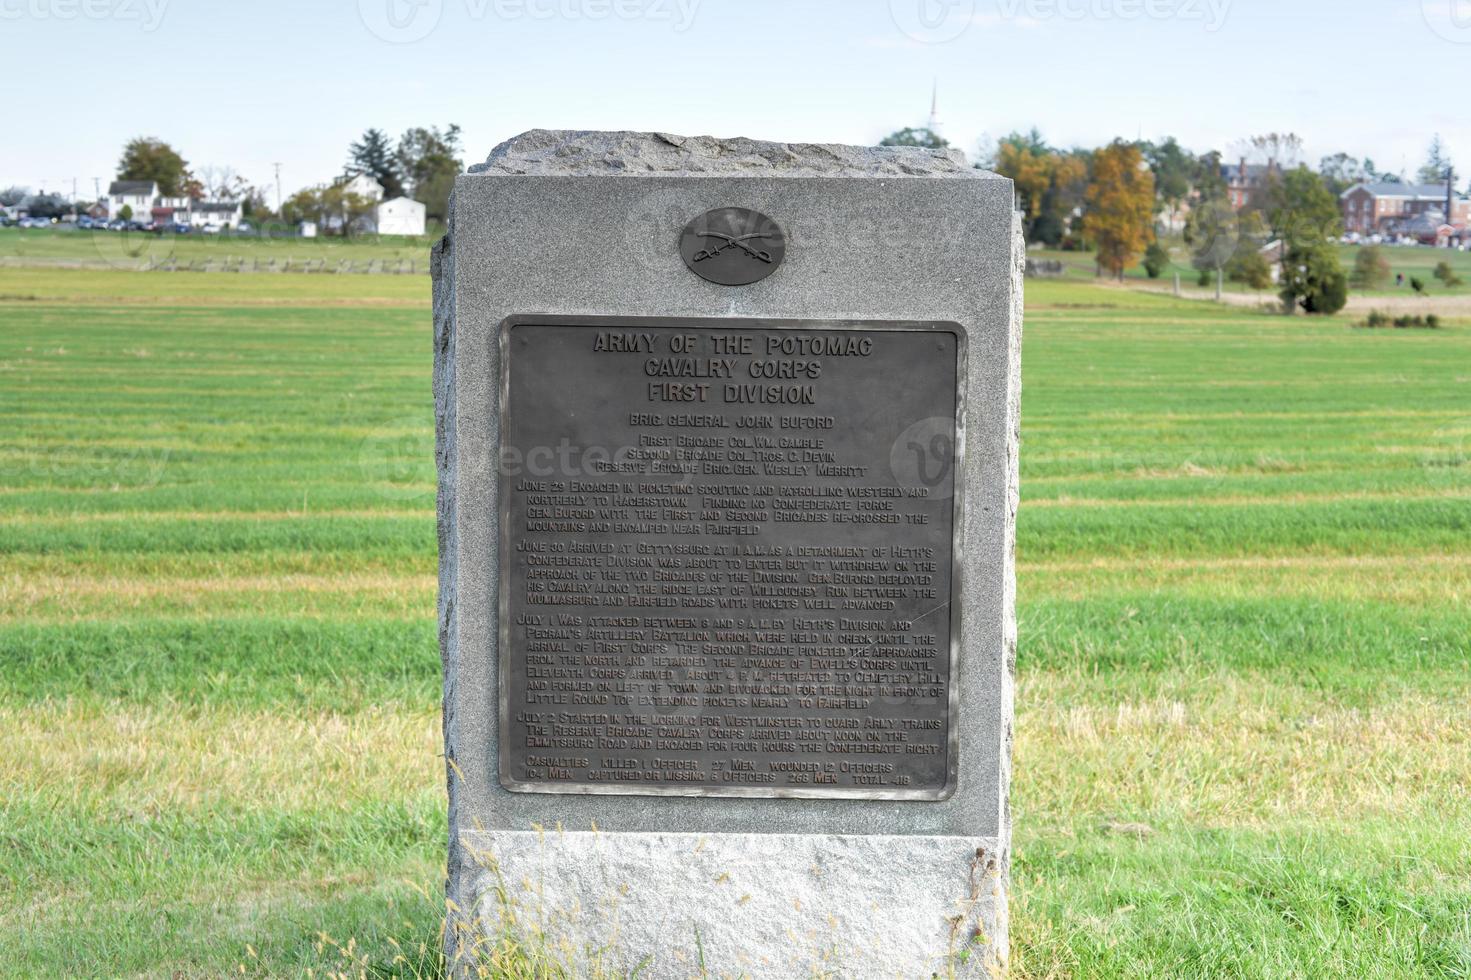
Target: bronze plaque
{"x":728,"y":562}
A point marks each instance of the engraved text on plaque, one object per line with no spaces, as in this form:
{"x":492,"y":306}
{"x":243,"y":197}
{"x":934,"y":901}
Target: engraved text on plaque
{"x":727,"y":556}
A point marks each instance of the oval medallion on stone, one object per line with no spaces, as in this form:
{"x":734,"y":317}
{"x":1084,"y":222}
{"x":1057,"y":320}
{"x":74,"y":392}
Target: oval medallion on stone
{"x":733,"y":246}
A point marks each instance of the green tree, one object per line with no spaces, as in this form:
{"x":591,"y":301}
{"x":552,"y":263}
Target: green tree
{"x":254,"y":205}
{"x":47,"y":206}
{"x":150,"y":158}
{"x":1210,"y":231}
{"x":1251,"y":267}
{"x":1446,"y":274}
{"x":1207,"y":179}
{"x":1371,"y":268}
{"x":910,"y":136}
{"x":1300,"y":209}
{"x":429,"y":159}
{"x":331,"y":207}
{"x":1173,"y":167}
{"x":1156,"y":260}
{"x":1120,"y":204}
{"x":1246,"y":262}
{"x":1437,"y":162}
{"x":1312,"y":278}
{"x":1303,"y":213}
{"x":373,"y":155}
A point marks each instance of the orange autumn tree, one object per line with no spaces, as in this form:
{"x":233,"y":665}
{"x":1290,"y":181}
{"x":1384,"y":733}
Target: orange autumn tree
{"x":1120,"y":206}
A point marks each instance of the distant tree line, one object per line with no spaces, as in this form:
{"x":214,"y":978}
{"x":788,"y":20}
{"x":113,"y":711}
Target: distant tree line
{"x":422,"y":165}
{"x":1118,"y":199}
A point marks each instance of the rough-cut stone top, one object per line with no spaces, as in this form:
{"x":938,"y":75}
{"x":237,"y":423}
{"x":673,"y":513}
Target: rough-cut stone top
{"x":566,"y":152}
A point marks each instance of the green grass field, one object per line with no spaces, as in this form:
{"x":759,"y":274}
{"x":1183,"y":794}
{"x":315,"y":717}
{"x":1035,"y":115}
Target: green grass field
{"x":57,"y":246}
{"x":1244,"y":704}
{"x":1406,"y":260}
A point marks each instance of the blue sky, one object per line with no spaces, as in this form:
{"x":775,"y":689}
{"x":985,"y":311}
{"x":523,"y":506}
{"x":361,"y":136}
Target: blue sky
{"x":244,"y":84}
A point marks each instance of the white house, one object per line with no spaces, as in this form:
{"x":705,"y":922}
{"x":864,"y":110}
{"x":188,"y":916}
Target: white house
{"x":401,"y":216}
{"x":136,"y":195}
{"x":364,"y":186}
{"x":215,"y":214}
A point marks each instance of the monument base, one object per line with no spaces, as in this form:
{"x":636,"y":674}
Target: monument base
{"x":733,"y":905}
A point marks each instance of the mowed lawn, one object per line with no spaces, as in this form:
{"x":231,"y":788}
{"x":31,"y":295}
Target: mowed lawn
{"x":62,"y":245}
{"x":1243,"y":742}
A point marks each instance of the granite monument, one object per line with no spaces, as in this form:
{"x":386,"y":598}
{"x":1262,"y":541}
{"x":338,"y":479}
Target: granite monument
{"x":727,"y":439}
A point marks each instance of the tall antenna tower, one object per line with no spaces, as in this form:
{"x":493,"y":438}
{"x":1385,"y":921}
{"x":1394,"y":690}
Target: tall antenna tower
{"x":934,"y":124}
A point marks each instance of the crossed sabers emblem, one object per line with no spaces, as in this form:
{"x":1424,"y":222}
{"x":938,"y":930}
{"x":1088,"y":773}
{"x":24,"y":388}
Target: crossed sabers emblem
{"x":734,"y":242}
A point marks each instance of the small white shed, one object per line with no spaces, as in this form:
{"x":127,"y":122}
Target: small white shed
{"x":401,"y":216}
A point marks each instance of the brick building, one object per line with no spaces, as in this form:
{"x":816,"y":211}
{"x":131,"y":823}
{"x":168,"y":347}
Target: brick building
{"x":1391,"y":209}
